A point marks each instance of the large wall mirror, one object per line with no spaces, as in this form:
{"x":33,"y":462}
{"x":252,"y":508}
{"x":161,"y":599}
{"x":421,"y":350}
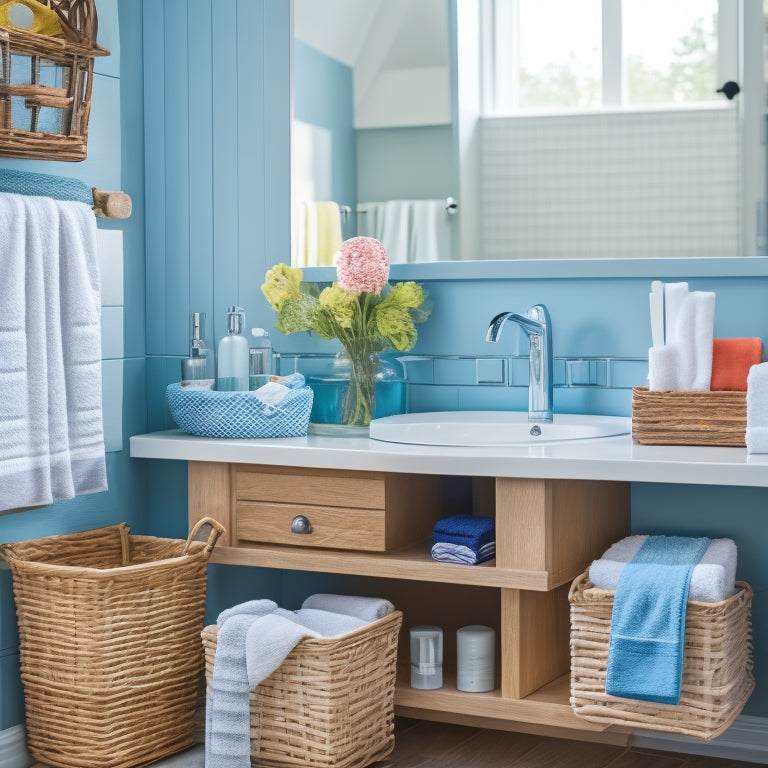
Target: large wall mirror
{"x":457,"y":130}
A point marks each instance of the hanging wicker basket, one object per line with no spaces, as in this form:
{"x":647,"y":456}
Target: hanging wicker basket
{"x":109,"y":630}
{"x":46,"y":82}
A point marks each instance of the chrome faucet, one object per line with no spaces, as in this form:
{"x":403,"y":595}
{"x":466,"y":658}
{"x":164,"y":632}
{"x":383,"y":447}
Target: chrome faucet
{"x":538,"y":327}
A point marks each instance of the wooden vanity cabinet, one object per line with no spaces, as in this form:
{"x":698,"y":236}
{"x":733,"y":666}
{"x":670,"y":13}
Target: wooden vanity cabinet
{"x":374,"y":524}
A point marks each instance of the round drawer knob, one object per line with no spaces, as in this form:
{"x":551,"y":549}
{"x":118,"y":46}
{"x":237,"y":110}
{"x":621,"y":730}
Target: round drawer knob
{"x":300,"y":524}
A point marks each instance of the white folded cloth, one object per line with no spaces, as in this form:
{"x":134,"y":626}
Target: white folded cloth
{"x":684,"y":363}
{"x":366,"y":608}
{"x":757,"y":409}
{"x":712,"y":580}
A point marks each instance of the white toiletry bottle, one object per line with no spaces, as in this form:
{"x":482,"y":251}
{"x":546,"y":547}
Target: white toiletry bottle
{"x":233,"y":354}
{"x":261,"y":357}
{"x":198,"y":366}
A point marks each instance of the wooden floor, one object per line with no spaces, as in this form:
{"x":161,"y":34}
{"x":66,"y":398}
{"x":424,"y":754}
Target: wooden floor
{"x":419,"y":744}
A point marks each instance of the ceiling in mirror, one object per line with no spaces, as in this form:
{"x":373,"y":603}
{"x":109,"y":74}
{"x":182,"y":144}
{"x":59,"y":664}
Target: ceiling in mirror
{"x":465,"y":130}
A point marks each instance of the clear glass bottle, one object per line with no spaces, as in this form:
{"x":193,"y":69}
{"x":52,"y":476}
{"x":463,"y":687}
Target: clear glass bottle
{"x":233,"y":354}
{"x":260,"y":358}
{"x":198,"y":367}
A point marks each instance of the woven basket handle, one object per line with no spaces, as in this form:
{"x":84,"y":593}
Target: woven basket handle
{"x":217,"y":529}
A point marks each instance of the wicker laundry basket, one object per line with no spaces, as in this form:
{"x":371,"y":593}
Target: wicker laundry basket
{"x":330,"y":703}
{"x":109,"y":629}
{"x":717,"y":665}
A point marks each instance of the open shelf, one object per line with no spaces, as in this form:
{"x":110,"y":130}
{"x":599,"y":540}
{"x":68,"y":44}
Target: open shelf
{"x":412,"y":564}
{"x":549,"y":705}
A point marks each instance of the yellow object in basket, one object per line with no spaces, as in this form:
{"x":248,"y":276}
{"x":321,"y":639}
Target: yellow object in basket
{"x":29,"y":16}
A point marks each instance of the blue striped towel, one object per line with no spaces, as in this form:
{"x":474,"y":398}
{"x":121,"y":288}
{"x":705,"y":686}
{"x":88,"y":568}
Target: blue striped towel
{"x":645,"y":656}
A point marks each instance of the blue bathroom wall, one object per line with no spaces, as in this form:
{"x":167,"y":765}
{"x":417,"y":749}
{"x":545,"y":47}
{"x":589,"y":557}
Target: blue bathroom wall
{"x":323,"y":98}
{"x":217,"y":126}
{"x":114,"y":162}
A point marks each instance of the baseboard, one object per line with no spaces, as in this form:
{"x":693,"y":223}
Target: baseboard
{"x":746,"y":739}
{"x":13,"y":748}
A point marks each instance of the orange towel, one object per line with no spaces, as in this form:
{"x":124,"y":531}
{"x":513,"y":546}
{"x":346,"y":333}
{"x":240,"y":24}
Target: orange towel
{"x":731,"y":361}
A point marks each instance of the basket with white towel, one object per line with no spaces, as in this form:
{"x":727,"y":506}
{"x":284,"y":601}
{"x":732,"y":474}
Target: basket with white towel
{"x":313,"y":687}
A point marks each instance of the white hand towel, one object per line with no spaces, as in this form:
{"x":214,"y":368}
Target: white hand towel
{"x":365,"y":608}
{"x":430,"y":231}
{"x":757,"y":409}
{"x":693,"y":333}
{"x":712,"y":580}
{"x":674,"y":295}
{"x":50,"y":352}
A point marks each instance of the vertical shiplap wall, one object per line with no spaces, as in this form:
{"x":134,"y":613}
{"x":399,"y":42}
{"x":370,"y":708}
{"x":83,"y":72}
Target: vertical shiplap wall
{"x":217,"y":133}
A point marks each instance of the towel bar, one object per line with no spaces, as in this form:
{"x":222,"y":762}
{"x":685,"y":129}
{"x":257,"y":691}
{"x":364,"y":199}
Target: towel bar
{"x":110,"y":205}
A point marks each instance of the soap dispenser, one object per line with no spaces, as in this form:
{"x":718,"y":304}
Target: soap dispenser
{"x":260,"y":366}
{"x":233,"y":354}
{"x":198,"y":366}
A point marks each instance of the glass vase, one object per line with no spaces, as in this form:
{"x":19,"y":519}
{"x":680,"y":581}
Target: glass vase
{"x":351,"y":390}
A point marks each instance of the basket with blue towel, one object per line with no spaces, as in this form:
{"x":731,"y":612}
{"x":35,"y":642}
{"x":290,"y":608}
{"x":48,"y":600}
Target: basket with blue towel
{"x":209,"y":413}
{"x":658,"y":651}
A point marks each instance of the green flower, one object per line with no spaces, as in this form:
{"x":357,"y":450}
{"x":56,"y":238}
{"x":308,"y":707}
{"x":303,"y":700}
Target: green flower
{"x":408,"y":294}
{"x":281,"y":284}
{"x":340,"y":304}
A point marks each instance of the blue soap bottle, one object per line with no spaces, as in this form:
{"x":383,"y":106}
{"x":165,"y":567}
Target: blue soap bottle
{"x":233,"y":354}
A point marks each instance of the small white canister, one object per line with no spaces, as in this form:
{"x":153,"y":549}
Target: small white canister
{"x":475,"y":652}
{"x":426,"y":657}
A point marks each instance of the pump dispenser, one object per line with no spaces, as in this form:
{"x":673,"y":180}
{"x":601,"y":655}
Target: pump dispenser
{"x":198,"y":366}
{"x":233,"y":354}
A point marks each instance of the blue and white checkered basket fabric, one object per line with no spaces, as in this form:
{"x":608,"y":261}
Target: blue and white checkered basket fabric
{"x":208,"y":413}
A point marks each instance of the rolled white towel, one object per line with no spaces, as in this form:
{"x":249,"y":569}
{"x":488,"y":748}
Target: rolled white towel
{"x":662,"y":368}
{"x":712,"y":580}
{"x":366,"y":608}
{"x":325,"y":623}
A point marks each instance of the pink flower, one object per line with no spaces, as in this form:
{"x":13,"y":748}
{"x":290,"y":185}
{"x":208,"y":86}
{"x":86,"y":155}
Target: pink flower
{"x":362,"y":265}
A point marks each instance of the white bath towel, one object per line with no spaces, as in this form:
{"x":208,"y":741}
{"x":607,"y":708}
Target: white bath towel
{"x":712,"y":580}
{"x":365,"y":608}
{"x":430,"y":231}
{"x":50,"y":352}
{"x":757,"y":409}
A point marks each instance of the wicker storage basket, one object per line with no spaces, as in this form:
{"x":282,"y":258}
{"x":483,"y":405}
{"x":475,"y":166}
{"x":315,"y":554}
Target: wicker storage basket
{"x":717,"y":665}
{"x":331,"y":702}
{"x":689,"y":418}
{"x":109,"y":629}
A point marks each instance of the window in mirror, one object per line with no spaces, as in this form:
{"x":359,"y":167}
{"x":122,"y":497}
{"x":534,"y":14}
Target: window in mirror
{"x":582,"y":55}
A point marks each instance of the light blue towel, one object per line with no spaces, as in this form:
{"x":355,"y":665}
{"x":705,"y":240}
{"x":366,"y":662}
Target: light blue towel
{"x":645,"y":656}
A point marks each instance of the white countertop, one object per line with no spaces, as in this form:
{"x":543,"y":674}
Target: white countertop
{"x":610,"y":458}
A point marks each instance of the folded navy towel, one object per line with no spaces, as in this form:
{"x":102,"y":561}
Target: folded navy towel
{"x":471,"y":531}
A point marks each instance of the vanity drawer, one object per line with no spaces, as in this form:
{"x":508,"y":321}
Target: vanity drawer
{"x":367,"y":511}
{"x":333,"y":488}
{"x":337,"y":528}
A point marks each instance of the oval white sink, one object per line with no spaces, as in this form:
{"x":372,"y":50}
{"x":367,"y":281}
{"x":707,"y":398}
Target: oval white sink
{"x":478,"y":428}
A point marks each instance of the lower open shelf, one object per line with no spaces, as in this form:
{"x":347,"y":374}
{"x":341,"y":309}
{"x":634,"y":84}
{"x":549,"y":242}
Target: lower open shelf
{"x":548,"y":706}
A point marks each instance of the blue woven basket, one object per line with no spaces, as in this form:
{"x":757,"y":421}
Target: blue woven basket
{"x":238,"y":414}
